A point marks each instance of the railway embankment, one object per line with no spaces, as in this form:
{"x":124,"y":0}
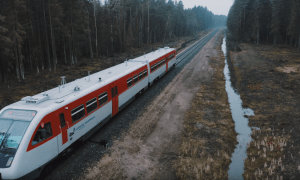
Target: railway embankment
{"x":268,"y":79}
{"x":150,"y":148}
{"x":208,"y":135}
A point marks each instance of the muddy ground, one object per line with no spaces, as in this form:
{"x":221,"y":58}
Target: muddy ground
{"x":268,"y":80}
{"x":34,"y":83}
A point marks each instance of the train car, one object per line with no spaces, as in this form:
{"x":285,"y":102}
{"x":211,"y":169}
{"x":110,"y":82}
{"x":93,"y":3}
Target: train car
{"x":38,"y":129}
{"x":158,"y":66}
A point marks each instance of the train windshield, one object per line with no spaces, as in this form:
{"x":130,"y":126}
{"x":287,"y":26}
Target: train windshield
{"x":11,"y":133}
{"x":13,"y":125}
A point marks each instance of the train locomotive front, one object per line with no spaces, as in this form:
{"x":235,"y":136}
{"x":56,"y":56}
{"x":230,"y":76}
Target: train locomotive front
{"x":14,"y":132}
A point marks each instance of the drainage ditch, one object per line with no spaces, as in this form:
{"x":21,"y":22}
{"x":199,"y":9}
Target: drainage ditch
{"x":239,"y":115}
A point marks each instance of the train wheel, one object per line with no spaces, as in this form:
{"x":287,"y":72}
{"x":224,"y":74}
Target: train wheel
{"x":47,"y":170}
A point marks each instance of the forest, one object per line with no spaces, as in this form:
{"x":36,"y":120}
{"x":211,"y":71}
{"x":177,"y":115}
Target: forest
{"x":39,"y":35}
{"x":265,"y":21}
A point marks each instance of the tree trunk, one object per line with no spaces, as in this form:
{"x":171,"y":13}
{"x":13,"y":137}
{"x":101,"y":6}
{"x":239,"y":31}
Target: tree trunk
{"x":119,"y":30}
{"x":130,"y":30}
{"x":96,"y":40}
{"x":90,"y":40}
{"x":18,"y":49}
{"x":46,"y":34}
{"x":29,"y":52}
{"x":74,"y":51}
{"x":299,"y":42}
{"x":41,"y":50}
{"x":17,"y":62}
{"x":72,"y":46}
{"x":71,"y":53}
{"x":30,"y":19}
{"x":286,"y":36}
{"x":244,"y":19}
{"x":148,"y":39}
{"x":37,"y":65}
{"x":66,"y":62}
{"x":275,"y":39}
{"x":257,"y":35}
{"x":124,"y":35}
{"x":52,"y":40}
{"x":166,"y":27}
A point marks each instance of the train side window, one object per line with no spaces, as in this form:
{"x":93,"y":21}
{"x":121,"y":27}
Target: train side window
{"x":112,"y":93}
{"x":103,"y":98}
{"x":129,"y":82}
{"x":158,"y":64}
{"x":62,"y":120}
{"x":135,"y":78}
{"x":116,"y":90}
{"x":171,"y":56}
{"x":164,"y":61}
{"x":155,"y":66}
{"x":145,"y":73}
{"x":152,"y":68}
{"x":141,"y":75}
{"x":42,"y":134}
{"x":91,"y":105}
{"x":77,"y":113}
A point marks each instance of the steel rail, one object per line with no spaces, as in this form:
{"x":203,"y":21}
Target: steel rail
{"x":194,"y":48}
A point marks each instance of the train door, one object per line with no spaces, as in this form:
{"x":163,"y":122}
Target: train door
{"x":63,"y":129}
{"x":167,"y":64}
{"x":115,"y":98}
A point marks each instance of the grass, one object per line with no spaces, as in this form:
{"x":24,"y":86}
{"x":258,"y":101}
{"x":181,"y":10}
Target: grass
{"x":268,"y":82}
{"x":209,"y":135}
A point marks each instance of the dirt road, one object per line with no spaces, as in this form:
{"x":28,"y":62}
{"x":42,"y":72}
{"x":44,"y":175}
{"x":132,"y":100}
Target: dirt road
{"x":152,"y":146}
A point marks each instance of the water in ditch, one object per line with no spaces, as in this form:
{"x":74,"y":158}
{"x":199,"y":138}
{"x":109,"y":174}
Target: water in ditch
{"x":236,"y":168}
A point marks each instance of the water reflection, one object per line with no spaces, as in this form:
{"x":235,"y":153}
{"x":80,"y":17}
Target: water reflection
{"x":236,"y":168}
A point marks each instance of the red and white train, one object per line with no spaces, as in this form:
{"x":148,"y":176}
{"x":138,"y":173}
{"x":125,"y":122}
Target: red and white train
{"x":37,"y":129}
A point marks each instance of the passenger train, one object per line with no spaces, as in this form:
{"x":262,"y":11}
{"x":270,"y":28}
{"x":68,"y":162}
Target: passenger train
{"x":40,"y":128}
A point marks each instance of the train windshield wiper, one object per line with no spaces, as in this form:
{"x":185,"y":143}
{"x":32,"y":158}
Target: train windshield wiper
{"x":6,"y":136}
{"x":2,"y":138}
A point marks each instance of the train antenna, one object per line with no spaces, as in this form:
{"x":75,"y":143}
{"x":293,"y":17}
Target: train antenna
{"x":89,"y":72}
{"x":63,"y":81}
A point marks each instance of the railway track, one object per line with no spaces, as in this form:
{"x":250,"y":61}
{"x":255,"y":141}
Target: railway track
{"x":195,"y":48}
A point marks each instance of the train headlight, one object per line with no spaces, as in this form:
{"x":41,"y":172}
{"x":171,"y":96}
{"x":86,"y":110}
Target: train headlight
{"x":10,"y":160}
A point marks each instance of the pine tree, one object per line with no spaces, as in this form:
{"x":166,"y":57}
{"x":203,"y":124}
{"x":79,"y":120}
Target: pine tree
{"x":294,"y":23}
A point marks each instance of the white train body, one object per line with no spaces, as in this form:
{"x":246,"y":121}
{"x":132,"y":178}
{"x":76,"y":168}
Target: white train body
{"x":37,"y":129}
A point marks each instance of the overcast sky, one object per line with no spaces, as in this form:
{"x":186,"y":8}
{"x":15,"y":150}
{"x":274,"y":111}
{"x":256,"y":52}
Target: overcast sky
{"x":220,"y":7}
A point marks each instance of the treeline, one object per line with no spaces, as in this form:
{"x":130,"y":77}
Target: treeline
{"x":40,"y":34}
{"x":268,"y":21}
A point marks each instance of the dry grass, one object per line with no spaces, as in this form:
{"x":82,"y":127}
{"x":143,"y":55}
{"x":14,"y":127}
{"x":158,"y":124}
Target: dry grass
{"x":209,"y":135}
{"x":265,"y":155}
{"x":268,"y":82}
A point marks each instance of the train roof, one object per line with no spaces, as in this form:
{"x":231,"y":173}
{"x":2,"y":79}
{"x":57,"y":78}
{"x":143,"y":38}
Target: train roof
{"x":59,"y":96}
{"x":64,"y":94}
{"x":153,"y":55}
